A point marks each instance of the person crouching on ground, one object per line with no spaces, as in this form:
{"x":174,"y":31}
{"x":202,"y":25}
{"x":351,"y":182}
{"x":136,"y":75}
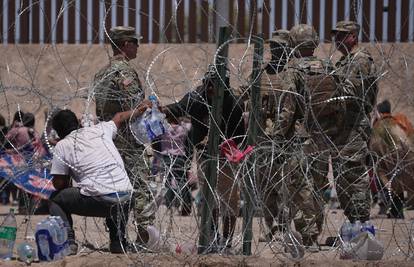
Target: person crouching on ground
{"x":89,"y":157}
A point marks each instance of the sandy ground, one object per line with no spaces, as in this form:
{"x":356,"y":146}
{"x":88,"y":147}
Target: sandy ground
{"x":394,"y":235}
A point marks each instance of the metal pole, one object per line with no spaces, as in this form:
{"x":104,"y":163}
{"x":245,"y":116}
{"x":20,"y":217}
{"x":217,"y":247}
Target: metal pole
{"x":222,"y":14}
{"x":213,"y":143}
{"x":249,"y":207}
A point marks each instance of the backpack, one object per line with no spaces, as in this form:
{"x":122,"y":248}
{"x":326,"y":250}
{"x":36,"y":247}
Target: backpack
{"x":324,"y":110}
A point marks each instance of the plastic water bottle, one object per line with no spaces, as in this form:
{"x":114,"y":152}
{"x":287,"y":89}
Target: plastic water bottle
{"x":156,"y":120}
{"x":140,"y":127}
{"x":346,"y":231}
{"x":26,"y":252}
{"x":57,"y":237}
{"x":54,"y":230}
{"x":368,"y":227}
{"x":356,"y":228}
{"x":153,"y":238}
{"x":63,"y":235}
{"x":8,"y":231}
{"x":43,"y":238}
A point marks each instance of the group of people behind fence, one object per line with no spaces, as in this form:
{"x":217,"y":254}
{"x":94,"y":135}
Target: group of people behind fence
{"x":313,"y":113}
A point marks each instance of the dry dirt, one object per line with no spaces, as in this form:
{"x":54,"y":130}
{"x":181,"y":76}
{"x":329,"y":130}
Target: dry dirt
{"x":394,"y":235}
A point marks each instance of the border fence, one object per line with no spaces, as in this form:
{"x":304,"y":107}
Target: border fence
{"x":193,"y":21}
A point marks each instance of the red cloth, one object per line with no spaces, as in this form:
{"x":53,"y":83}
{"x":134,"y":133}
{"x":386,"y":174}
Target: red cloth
{"x":230,"y":150}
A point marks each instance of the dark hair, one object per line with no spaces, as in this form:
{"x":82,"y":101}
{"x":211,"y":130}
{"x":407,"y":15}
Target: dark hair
{"x":2,"y":121}
{"x":18,"y":116}
{"x":28,"y":120}
{"x":64,"y":122}
{"x":384,"y":107}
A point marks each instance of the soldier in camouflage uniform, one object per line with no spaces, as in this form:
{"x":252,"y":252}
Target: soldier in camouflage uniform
{"x":117,"y":88}
{"x":357,"y":75}
{"x":305,"y":83}
{"x":269,"y":171}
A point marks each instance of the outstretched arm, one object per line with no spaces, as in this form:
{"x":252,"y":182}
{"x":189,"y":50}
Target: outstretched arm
{"x":120,"y":117}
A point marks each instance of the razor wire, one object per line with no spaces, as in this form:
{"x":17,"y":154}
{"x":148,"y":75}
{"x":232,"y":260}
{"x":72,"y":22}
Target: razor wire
{"x":176,"y":230}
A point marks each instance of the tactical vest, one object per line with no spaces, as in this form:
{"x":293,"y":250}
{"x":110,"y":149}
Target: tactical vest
{"x":323,"y":109}
{"x":270,"y":91}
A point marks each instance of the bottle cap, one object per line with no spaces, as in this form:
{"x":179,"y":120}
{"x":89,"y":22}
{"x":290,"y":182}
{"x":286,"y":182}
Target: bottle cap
{"x":152,"y":98}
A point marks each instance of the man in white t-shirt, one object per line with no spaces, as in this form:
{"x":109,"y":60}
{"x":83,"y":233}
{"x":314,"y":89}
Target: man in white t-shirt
{"x":89,"y":157}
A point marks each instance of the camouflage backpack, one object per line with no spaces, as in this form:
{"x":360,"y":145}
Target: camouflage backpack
{"x":323,"y":108}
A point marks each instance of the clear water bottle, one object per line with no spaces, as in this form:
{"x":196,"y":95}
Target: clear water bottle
{"x":356,"y":229}
{"x":26,"y":252}
{"x":8,"y":231}
{"x":140,"y":128}
{"x":63,"y":235}
{"x":346,"y":231}
{"x":56,"y":234}
{"x":157,"y":119}
{"x":42,"y":241}
{"x":55,"y":231}
{"x":153,"y":238}
{"x":368,"y":227}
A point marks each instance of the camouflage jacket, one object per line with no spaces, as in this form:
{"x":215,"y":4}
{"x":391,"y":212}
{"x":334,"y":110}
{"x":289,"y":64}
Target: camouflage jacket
{"x":358,"y":76}
{"x":296,"y":117}
{"x":117,"y":88}
{"x":270,"y":92}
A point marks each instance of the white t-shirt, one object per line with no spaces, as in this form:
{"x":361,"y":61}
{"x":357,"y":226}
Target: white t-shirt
{"x":89,"y":155}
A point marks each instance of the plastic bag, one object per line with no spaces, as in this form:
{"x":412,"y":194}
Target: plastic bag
{"x":363,"y":247}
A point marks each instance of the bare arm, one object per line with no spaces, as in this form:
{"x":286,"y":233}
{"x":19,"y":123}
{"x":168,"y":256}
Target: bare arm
{"x":120,"y":117}
{"x":60,"y":181}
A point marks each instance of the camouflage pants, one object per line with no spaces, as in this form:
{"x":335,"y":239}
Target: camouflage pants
{"x":143,"y":203}
{"x":268,"y":186}
{"x":318,"y":167}
{"x":298,"y":196}
{"x":351,"y":177}
{"x":317,"y":155}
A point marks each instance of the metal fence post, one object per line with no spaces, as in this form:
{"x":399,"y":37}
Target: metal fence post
{"x":249,"y":207}
{"x":213,"y":142}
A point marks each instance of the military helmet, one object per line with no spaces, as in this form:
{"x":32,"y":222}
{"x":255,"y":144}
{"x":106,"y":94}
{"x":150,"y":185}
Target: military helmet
{"x":303,"y":35}
{"x":280,"y":37}
{"x":123,"y":33}
{"x":346,"y":26}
